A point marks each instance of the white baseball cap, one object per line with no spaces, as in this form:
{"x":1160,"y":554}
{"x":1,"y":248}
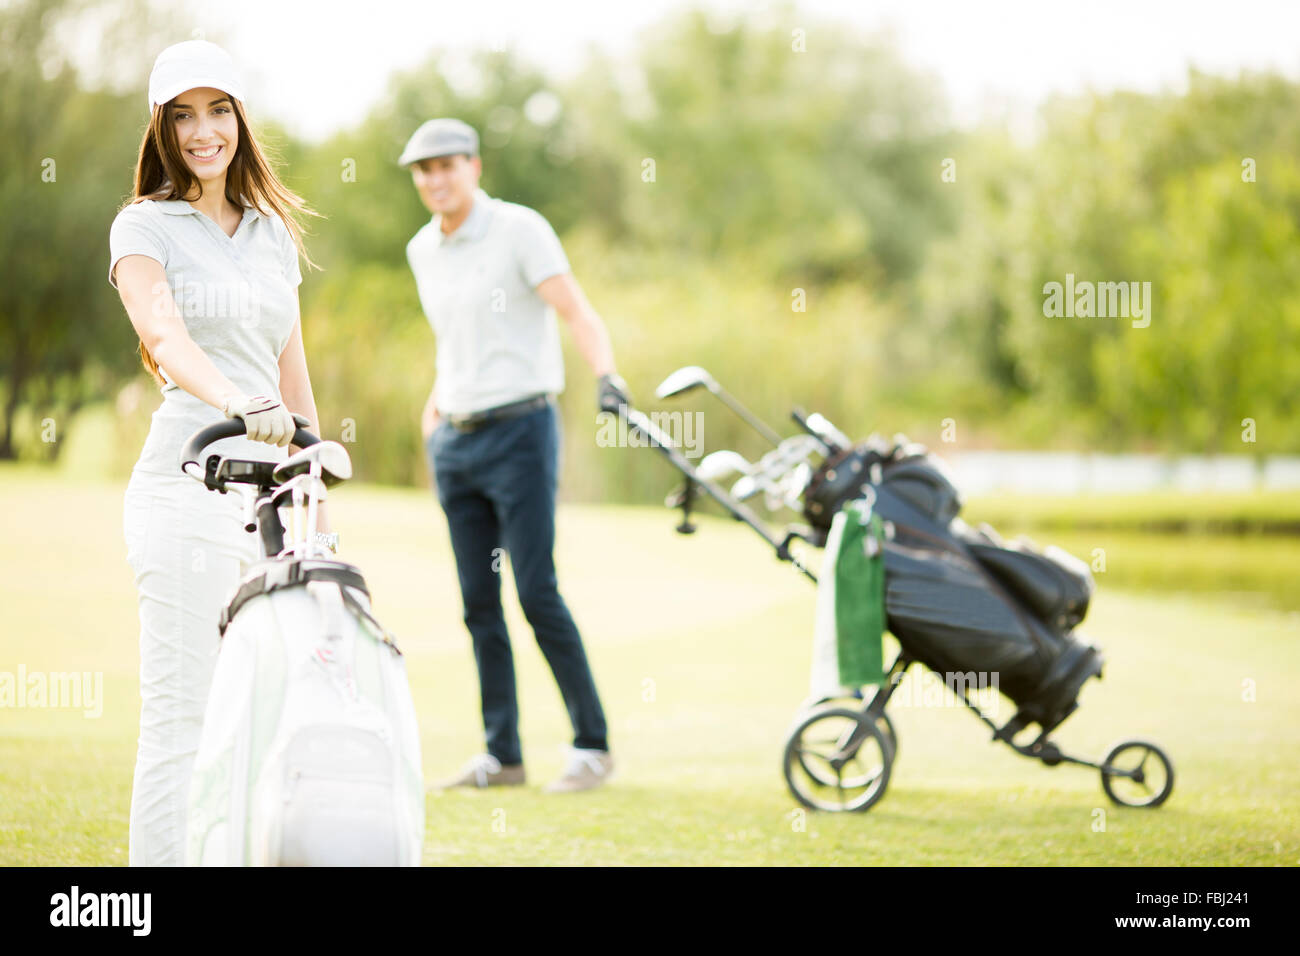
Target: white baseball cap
{"x":190,"y":65}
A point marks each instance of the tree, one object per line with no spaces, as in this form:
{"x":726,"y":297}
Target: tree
{"x":66,"y":156}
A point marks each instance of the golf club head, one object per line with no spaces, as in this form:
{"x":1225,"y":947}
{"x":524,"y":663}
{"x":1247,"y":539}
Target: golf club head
{"x":792,"y":488}
{"x":719,"y":464}
{"x":335,"y":463}
{"x":745,"y":488}
{"x":820,"y":424}
{"x":683,"y":380}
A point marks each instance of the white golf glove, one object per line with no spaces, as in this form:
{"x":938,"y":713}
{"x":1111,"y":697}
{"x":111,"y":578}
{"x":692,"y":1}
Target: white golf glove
{"x":265,"y":418}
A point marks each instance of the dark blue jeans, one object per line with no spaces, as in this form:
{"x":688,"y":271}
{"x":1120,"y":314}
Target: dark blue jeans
{"x":497,"y":487}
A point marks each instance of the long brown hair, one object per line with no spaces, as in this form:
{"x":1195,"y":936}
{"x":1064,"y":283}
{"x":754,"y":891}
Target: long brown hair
{"x":161,"y":173}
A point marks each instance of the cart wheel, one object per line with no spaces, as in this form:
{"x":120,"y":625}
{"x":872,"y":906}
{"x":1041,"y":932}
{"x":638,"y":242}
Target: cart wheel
{"x":820,"y":771}
{"x":837,"y":759}
{"x":855,"y":701}
{"x":1131,"y":778}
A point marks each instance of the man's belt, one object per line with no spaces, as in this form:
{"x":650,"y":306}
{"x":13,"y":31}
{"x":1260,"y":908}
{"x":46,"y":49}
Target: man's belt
{"x":476,"y":420}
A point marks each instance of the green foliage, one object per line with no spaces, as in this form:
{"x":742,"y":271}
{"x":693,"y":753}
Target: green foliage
{"x":1148,"y":189}
{"x":370,"y":205}
{"x":371,"y":364}
{"x":821,"y":166}
{"x":703,"y":186}
{"x":767,"y":180}
{"x":65,"y":163}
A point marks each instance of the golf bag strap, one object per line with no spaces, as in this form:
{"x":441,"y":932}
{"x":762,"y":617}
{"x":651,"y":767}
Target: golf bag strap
{"x":350,"y":600}
{"x":291,"y":574}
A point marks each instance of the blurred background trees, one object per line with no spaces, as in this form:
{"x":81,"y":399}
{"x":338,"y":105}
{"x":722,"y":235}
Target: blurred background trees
{"x":705,"y":191}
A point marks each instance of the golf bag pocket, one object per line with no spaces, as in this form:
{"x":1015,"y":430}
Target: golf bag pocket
{"x":329,"y":799}
{"x":309,"y":754}
{"x":1053,"y":585}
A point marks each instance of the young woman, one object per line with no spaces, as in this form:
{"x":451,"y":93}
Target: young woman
{"x":205,"y":257}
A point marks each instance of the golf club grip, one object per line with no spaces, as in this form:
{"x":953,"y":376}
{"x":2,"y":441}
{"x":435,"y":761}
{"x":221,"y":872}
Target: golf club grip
{"x":233,"y":428}
{"x":801,"y":419}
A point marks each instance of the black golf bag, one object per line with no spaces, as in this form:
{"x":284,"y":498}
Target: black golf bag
{"x":959,"y":600}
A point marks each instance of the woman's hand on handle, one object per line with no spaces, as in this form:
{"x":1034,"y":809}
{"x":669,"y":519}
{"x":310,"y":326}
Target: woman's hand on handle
{"x":266,"y":419}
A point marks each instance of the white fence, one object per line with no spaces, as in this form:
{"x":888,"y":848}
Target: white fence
{"x":981,"y":472}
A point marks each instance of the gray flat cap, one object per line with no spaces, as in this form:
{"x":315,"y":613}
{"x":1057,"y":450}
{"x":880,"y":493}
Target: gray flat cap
{"x":440,"y":137}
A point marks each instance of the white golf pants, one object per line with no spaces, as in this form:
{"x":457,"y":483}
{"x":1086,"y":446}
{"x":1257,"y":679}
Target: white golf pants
{"x":188,"y":549}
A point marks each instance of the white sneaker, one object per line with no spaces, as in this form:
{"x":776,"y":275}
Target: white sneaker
{"x":484,"y":770}
{"x":585,"y":770}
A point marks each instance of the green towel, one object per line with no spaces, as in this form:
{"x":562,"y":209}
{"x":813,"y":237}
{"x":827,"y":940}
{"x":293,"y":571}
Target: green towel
{"x":860,"y":601}
{"x":850,"y":626}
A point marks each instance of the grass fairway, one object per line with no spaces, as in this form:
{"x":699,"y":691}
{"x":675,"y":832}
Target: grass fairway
{"x":701,"y":648}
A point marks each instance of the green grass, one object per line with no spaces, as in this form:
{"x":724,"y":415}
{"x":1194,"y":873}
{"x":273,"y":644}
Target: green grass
{"x":1253,"y":512}
{"x":701,"y":648}
{"x":1242,"y":547}
{"x":1256,"y":570}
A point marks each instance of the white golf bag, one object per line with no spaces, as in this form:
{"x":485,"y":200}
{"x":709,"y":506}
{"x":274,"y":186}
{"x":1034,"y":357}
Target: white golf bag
{"x":310,"y":752}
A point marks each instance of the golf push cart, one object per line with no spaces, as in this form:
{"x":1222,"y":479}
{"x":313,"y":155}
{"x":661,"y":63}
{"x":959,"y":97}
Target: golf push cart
{"x":957,"y":599}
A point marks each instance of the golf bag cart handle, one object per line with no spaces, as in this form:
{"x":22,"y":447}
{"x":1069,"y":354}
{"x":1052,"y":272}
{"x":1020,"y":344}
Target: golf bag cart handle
{"x":193,"y":450}
{"x":658,"y":439}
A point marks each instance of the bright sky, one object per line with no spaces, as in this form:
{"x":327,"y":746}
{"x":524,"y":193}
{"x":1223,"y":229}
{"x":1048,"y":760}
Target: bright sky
{"x":318,"y":65}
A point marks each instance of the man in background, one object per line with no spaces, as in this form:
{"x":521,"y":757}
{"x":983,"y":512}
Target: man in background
{"x":489,"y":272}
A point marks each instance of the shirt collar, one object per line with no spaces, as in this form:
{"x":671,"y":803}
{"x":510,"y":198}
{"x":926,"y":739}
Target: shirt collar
{"x":179,"y":207}
{"x":475,"y":224}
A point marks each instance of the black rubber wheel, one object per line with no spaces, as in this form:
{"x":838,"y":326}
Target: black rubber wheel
{"x":1132,"y":778}
{"x":838,"y":760}
{"x":857,"y":701}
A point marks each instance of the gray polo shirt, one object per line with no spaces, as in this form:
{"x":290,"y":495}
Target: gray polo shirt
{"x":497,"y":339}
{"x":239,"y":300}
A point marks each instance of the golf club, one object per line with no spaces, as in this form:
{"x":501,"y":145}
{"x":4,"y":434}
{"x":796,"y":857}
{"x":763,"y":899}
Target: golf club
{"x":666,"y":446}
{"x":719,"y":464}
{"x":691,"y":377}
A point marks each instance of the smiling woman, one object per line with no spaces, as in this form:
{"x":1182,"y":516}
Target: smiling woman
{"x":205,"y":257}
{"x":207,"y":145}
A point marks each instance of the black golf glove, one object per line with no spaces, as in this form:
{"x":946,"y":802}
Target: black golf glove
{"x":612,"y":392}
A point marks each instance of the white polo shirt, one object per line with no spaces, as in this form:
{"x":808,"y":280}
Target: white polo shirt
{"x":497,"y":340}
{"x":238,"y":297}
